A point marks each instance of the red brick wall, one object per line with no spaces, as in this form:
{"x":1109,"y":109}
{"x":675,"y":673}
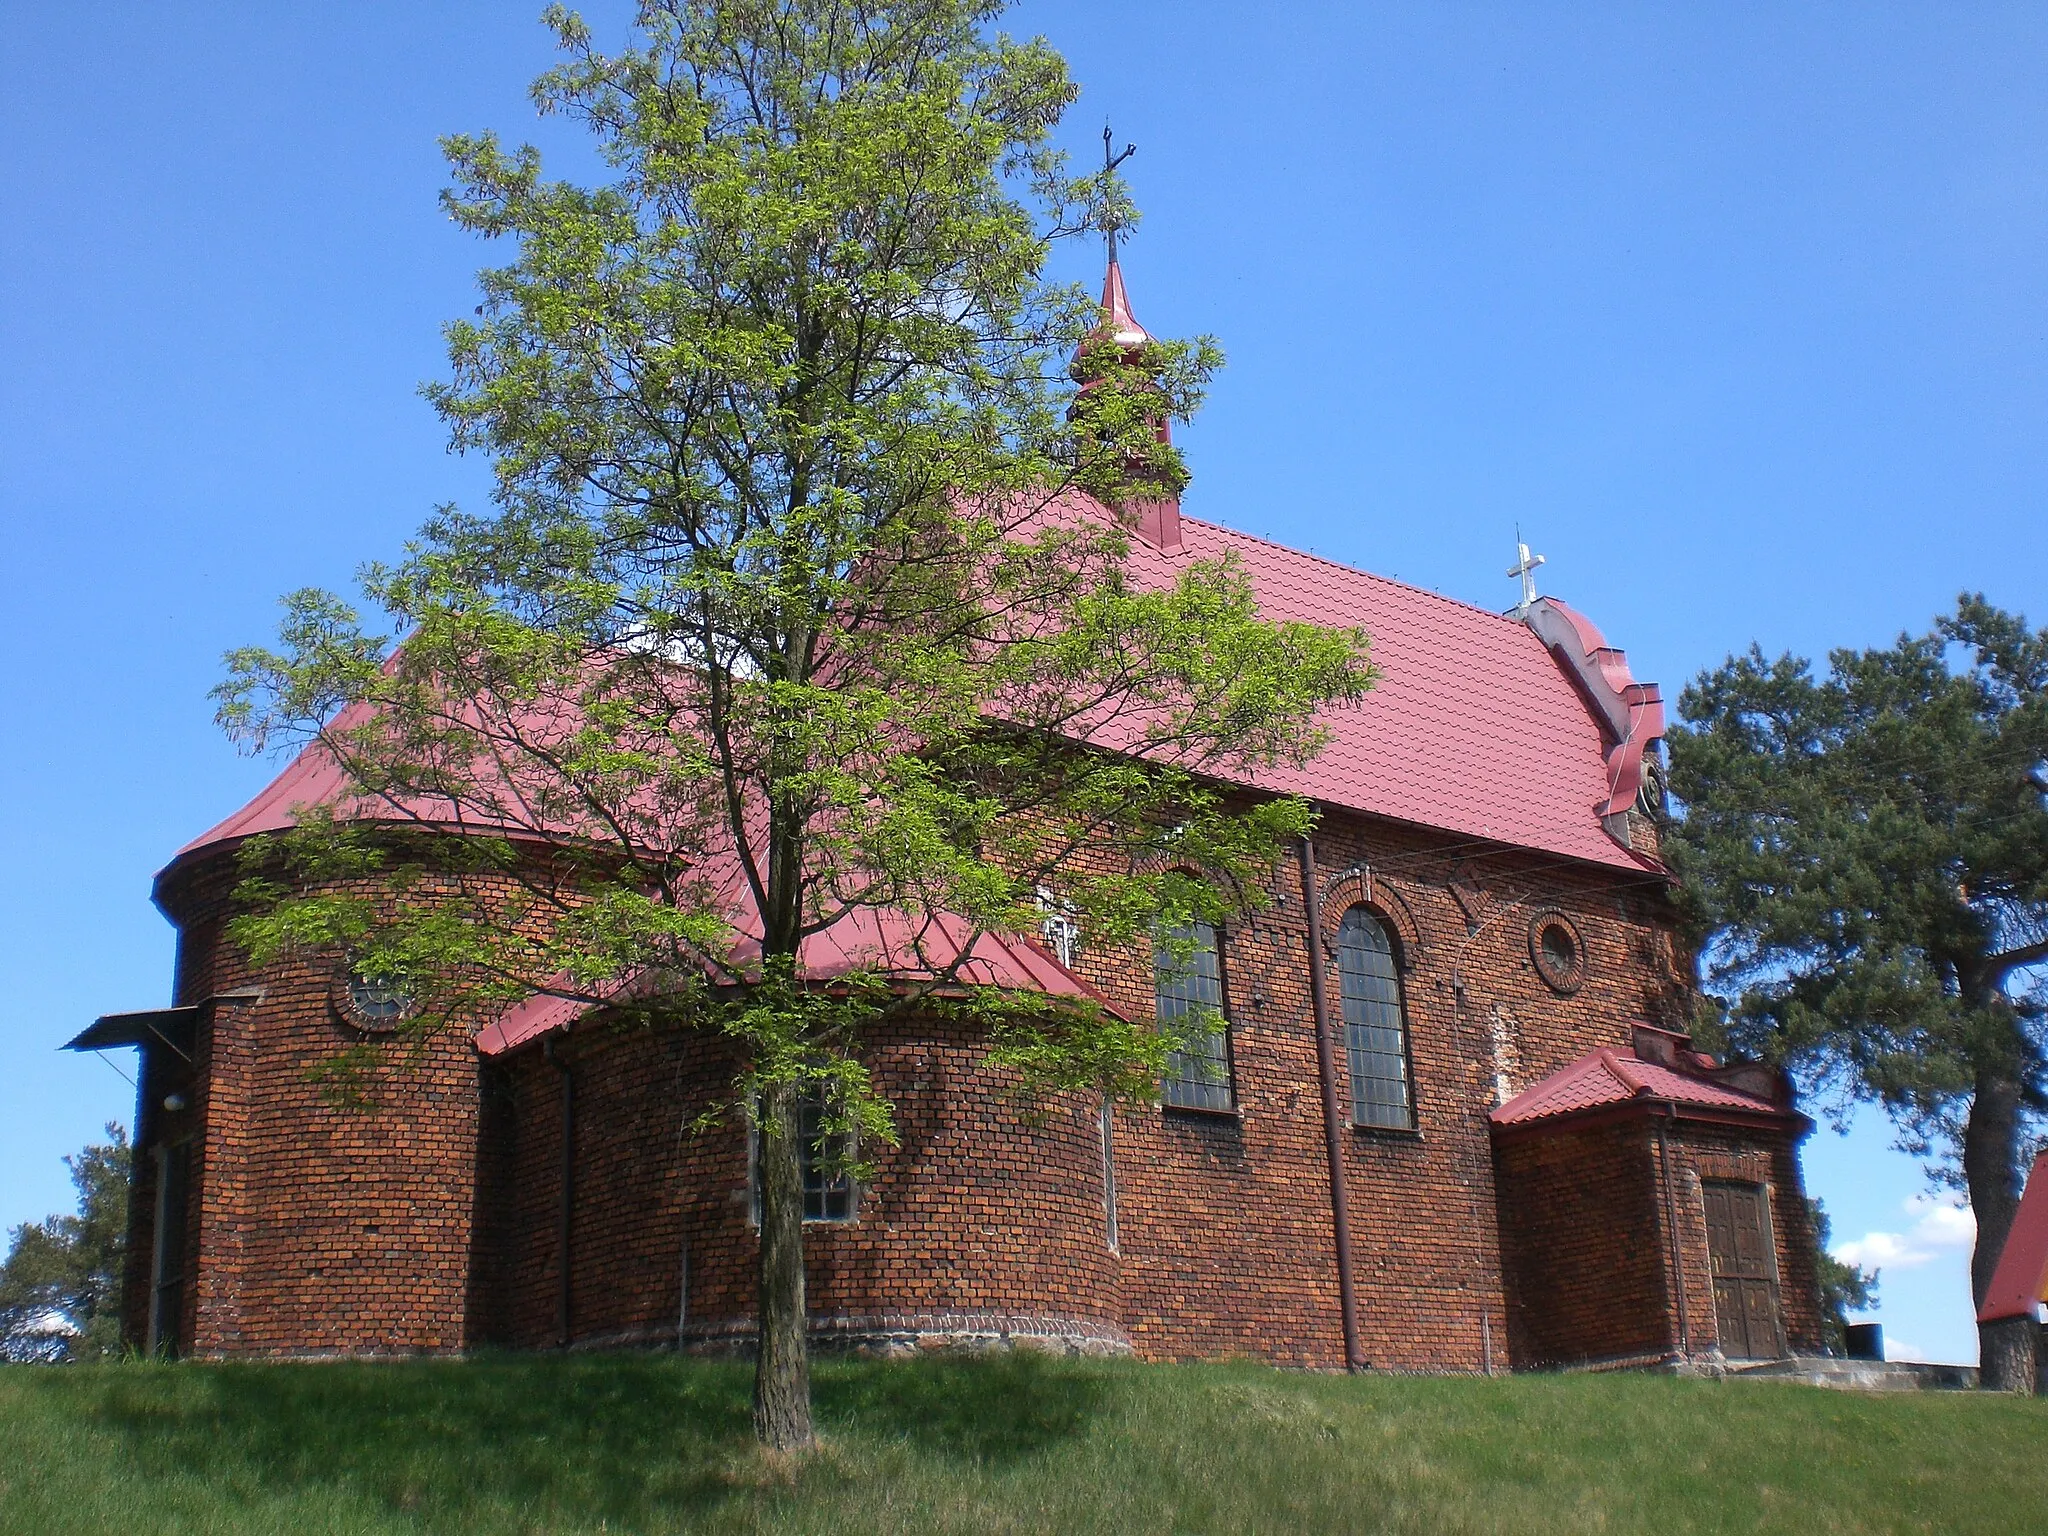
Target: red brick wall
{"x":162,"y":1075}
{"x":165,"y":1073}
{"x":1582,"y":1230}
{"x":1217,"y":1212}
{"x":977,"y":1212}
{"x":314,"y":1228}
{"x":1703,"y":1152}
{"x":1224,"y":1220}
{"x":1586,"y":1229}
{"x":983,"y":1214}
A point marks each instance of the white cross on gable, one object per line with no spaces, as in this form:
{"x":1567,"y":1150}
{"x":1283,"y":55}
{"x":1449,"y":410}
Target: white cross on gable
{"x":1525,"y":567}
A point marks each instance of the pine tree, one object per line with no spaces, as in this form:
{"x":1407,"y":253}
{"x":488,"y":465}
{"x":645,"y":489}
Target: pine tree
{"x":1867,"y":856}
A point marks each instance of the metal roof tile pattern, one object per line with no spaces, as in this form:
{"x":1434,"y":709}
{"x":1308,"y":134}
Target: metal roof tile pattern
{"x":1606,"y":1076}
{"x":311,"y":778}
{"x":1473,"y":728}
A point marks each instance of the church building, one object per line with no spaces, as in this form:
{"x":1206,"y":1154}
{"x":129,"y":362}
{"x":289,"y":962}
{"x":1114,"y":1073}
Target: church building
{"x":1453,"y":1124}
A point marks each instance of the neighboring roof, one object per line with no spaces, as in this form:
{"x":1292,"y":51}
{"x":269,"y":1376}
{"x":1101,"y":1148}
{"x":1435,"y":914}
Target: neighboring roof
{"x":864,"y":939}
{"x":2020,"y":1283}
{"x":1606,"y":1078}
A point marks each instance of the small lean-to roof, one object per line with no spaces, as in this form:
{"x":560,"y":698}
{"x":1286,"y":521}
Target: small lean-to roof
{"x":864,"y":939}
{"x":1606,"y":1078}
{"x":2020,"y":1283}
{"x":150,"y":1026}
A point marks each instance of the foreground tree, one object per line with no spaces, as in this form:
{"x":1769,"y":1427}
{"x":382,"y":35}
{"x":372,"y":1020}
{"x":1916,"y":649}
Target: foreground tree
{"x":60,"y":1285}
{"x":789,"y":610}
{"x":1868,"y":856}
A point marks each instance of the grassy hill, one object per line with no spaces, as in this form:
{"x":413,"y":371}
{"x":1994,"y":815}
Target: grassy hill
{"x":1017,"y":1443}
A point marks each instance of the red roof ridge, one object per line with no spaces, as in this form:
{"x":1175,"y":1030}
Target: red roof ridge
{"x":1353,"y":570}
{"x":1616,"y":1063}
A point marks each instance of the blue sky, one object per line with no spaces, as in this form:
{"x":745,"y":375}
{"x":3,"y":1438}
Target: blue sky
{"x":1736,"y":310}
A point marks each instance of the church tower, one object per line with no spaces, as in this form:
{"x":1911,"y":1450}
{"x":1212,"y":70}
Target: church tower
{"x":1114,"y":359}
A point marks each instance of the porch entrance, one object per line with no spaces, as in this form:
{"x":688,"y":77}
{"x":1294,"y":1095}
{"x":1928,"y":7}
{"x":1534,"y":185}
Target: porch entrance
{"x":1744,"y":1263}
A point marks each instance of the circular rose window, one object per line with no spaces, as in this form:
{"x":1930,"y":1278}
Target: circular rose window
{"x":369,"y":1001}
{"x":1558,"y":951}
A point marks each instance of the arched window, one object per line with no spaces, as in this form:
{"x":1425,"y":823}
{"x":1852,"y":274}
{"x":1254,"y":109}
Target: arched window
{"x":1375,"y":1030}
{"x":1191,"y":982}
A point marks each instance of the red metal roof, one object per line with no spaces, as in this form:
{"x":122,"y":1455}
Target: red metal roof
{"x":1608,"y":1077}
{"x":312,"y":777}
{"x":885,"y":941}
{"x":1121,"y":325}
{"x":2020,"y":1283}
{"x":1473,"y":728}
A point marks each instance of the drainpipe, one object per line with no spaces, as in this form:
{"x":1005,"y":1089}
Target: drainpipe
{"x":1333,"y":1131}
{"x":1671,"y":1221}
{"x":683,"y":1306}
{"x":564,"y":1252}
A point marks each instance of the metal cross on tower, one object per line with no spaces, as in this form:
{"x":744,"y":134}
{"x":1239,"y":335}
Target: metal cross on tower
{"x":1525,"y":567}
{"x":1109,"y":164}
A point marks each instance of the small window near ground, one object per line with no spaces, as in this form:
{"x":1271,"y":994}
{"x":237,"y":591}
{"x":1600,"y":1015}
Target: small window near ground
{"x":1375,"y":1028}
{"x":1189,"y":992}
{"x":824,"y":1163}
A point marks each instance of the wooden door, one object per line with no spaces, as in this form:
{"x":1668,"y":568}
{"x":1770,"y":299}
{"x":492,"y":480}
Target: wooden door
{"x":1745,"y":1280}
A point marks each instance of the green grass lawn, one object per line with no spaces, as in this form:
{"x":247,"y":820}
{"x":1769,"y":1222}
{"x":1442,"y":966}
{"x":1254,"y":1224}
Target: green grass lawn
{"x":1007,"y":1443}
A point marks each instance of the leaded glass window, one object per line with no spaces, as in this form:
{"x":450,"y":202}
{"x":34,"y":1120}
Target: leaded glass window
{"x":828,"y":1181}
{"x":1187,"y":975}
{"x":824,"y":1163}
{"x":1375,"y":1031}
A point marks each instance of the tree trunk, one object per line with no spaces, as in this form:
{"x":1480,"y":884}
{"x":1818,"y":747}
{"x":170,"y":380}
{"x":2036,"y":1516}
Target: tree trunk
{"x":2006,"y":1355}
{"x":782,"y":1368}
{"x":1991,"y":1150}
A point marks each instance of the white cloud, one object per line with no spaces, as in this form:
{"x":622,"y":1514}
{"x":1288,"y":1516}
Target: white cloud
{"x":1941,"y":1224}
{"x":1945,"y":1222}
{"x":1880,"y":1250}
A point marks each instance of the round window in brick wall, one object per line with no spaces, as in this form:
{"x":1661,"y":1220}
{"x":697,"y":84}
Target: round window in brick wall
{"x":370,"y":1002}
{"x":1558,"y":951}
